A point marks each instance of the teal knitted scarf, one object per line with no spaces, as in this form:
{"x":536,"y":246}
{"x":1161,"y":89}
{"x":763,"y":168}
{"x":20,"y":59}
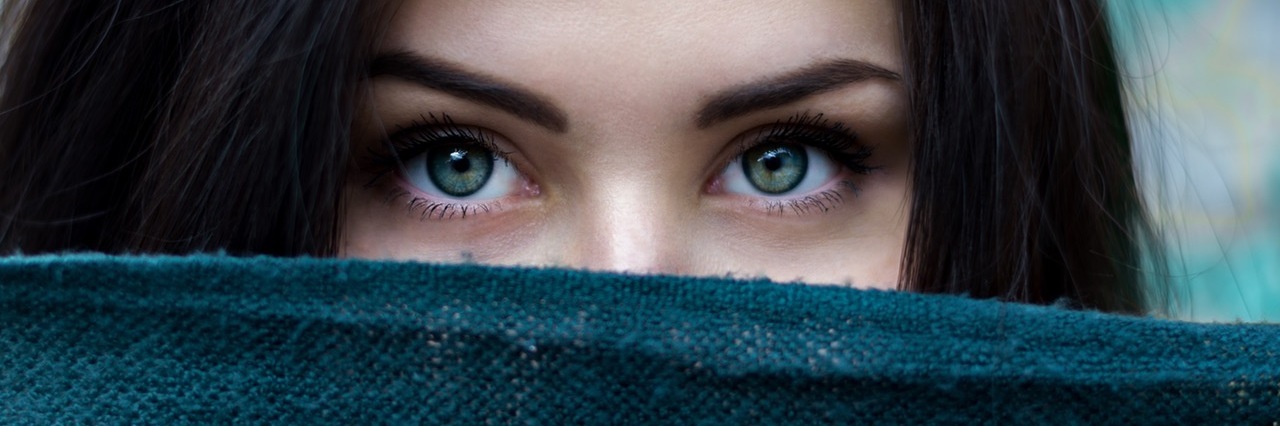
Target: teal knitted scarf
{"x":100,"y":339}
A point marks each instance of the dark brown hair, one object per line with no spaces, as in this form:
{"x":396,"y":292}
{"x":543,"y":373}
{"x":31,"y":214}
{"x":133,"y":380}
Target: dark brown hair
{"x":163,"y":126}
{"x":143,"y":126}
{"x":1023,"y":172}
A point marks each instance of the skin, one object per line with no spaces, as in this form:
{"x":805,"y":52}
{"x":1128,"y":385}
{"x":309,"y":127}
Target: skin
{"x":633,"y":182}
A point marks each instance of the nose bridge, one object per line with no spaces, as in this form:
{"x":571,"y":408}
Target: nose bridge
{"x":628,"y":186}
{"x":627,"y":225}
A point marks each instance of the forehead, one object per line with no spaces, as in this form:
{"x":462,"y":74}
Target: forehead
{"x":649,"y":53}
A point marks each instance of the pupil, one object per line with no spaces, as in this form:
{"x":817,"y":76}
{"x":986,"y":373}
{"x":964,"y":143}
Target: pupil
{"x":772,"y":162}
{"x":459,"y":162}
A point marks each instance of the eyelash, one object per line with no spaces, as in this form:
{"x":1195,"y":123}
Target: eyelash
{"x":835,"y":139}
{"x":420,"y":135}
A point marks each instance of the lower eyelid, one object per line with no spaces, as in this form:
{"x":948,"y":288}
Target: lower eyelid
{"x":441,"y":211}
{"x":839,"y":192}
{"x":399,"y":194}
{"x":820,"y":202}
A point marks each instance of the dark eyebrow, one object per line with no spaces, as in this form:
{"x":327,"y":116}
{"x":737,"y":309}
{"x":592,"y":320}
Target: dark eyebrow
{"x":788,"y":88}
{"x":452,"y":79}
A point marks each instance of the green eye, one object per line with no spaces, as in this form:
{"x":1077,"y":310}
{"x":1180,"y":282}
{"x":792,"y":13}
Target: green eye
{"x":459,"y":171}
{"x":775,"y":168}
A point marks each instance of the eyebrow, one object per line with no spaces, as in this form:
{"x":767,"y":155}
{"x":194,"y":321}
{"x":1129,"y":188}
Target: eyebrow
{"x":452,"y":79}
{"x":788,"y":88}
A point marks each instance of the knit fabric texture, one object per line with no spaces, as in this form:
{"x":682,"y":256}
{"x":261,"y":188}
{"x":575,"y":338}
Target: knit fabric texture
{"x":102,"y":339}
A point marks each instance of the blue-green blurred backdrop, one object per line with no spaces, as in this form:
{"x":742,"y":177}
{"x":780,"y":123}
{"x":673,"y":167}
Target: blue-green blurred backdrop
{"x":1205,"y":81}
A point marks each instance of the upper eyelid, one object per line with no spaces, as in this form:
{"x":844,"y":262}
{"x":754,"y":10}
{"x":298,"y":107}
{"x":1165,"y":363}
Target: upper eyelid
{"x":800,"y":122}
{"x":478,"y":135}
{"x":504,"y":148}
{"x":762,"y":134}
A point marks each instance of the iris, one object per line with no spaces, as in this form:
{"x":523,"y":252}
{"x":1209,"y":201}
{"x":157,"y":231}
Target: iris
{"x":775,"y":168}
{"x":460,"y":171}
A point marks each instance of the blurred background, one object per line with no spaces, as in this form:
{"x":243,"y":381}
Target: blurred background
{"x":1205,"y":81}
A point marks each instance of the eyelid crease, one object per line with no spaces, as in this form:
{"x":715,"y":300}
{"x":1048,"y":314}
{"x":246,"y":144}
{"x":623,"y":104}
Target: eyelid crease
{"x":430,"y":131}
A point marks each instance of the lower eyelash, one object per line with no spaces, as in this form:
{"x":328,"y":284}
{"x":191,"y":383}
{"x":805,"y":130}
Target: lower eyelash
{"x":429,"y":209}
{"x":821,"y":202}
{"x":437,"y":210}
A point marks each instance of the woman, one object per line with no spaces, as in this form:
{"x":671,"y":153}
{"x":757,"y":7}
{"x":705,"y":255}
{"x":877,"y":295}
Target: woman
{"x":977,"y":148}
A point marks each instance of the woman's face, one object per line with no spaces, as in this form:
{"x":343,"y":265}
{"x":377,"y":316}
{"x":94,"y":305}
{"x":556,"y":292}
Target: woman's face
{"x":744,"y":137}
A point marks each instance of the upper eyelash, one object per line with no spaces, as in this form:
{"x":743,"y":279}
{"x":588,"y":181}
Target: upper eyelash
{"x":426,"y":132}
{"x":834,"y":138}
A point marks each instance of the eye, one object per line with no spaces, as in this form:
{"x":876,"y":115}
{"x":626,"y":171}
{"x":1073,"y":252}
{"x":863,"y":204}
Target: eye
{"x":469,"y":172}
{"x":777,"y":169}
